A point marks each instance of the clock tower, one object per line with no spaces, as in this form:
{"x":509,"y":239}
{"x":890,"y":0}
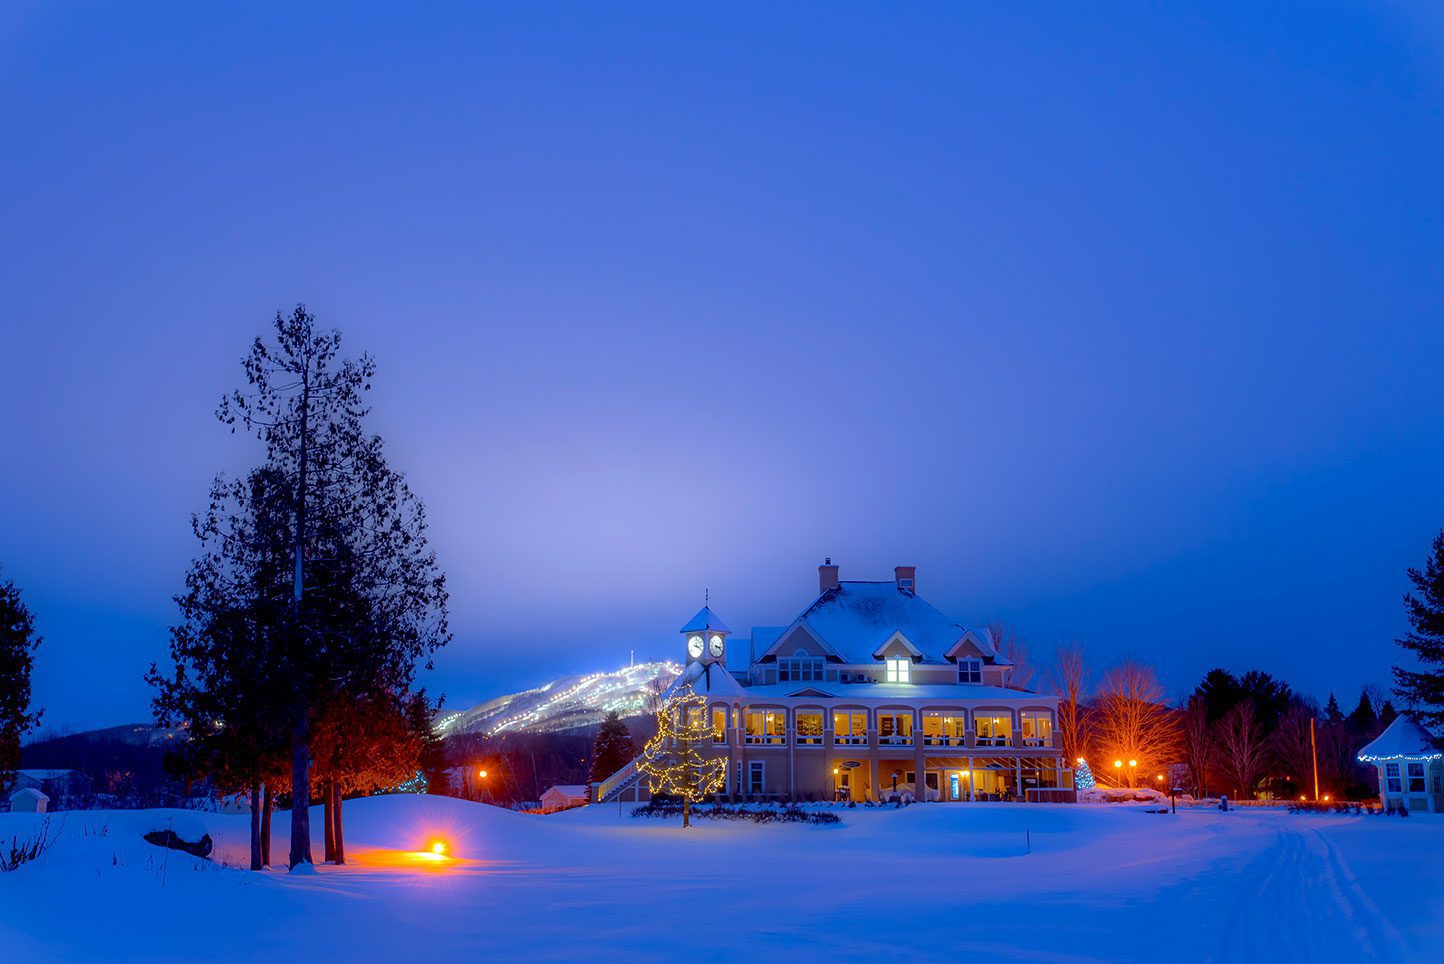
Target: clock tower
{"x":706,"y":638}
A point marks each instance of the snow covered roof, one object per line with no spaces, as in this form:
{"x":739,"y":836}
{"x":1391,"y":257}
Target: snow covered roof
{"x":715,"y":681}
{"x":856,"y":618}
{"x":705,"y":621}
{"x":47,"y":774}
{"x":1402,"y":740}
{"x":568,"y":789}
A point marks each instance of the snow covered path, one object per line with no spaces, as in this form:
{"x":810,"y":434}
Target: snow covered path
{"x":990,"y":882}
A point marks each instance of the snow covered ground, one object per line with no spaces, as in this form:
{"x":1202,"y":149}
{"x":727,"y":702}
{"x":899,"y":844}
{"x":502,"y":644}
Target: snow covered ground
{"x":1101,"y":883}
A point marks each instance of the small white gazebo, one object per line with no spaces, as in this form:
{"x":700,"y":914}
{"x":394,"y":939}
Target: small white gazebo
{"x":1411,"y":767}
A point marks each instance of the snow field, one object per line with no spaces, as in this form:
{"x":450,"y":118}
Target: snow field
{"x":991,"y":882}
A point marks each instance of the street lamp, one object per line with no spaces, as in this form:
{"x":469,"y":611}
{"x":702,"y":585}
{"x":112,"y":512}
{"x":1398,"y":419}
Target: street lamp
{"x":1132,"y":773}
{"x":835,"y":787}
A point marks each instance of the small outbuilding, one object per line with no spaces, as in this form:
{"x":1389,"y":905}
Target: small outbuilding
{"x":29,"y":800}
{"x":1411,"y":767}
{"x":562,"y":797}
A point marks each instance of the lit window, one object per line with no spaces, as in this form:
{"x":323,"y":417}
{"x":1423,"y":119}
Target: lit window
{"x":756,"y":778}
{"x":993,"y":729}
{"x":895,"y":729}
{"x":849,"y":727}
{"x":970,"y":671}
{"x":809,"y":727}
{"x":899,"y":669}
{"x":1391,"y":775}
{"x":719,"y":724}
{"x":1037,"y":726}
{"x":765,"y":726}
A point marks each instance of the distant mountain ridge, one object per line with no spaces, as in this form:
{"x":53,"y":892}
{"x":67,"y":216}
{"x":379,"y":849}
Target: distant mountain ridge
{"x":564,"y":703}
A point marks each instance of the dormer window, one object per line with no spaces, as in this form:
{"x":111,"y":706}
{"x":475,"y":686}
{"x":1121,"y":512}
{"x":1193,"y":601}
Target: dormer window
{"x":899,"y":669}
{"x":800,"y":667}
{"x":970,"y":670}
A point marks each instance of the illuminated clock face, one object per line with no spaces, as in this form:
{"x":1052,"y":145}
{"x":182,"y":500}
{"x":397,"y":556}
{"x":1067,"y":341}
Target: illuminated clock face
{"x":716,"y":644}
{"x":694,"y":646}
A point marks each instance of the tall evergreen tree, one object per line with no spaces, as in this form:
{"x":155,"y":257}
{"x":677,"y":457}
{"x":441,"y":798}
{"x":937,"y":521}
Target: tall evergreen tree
{"x":1332,"y":713}
{"x":1422,"y":690}
{"x":367,"y":598}
{"x":613,"y":748}
{"x":1363,"y":722}
{"x":18,"y":643}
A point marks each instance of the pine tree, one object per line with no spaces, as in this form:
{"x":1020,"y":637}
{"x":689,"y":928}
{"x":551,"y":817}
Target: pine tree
{"x":1332,"y":713}
{"x":18,"y":643}
{"x":1423,"y":690}
{"x":673,"y":760}
{"x":1363,"y":722}
{"x":224,"y":685}
{"x":613,"y":748}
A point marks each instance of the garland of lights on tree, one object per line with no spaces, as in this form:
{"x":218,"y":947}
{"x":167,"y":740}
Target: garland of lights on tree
{"x":1083,"y":776}
{"x":673,"y":760}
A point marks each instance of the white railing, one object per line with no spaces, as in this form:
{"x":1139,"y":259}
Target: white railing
{"x":617,"y":781}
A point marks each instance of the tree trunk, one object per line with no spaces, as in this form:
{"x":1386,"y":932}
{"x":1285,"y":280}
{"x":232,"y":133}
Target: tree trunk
{"x":268,"y":803}
{"x":340,"y":832}
{"x":300,"y":737}
{"x":256,"y":826}
{"x":686,"y":812}
{"x":300,"y":794}
{"x":328,"y":811}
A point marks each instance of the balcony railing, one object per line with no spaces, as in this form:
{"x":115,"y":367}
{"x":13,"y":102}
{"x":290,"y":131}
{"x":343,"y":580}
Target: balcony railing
{"x":1036,"y":741}
{"x":895,"y":741}
{"x":813,"y":739}
{"x":768,"y":739}
{"x":945,"y":741}
{"x":992,"y":741}
{"x":843,"y":739}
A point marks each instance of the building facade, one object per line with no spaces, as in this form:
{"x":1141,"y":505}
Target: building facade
{"x":871,"y":692}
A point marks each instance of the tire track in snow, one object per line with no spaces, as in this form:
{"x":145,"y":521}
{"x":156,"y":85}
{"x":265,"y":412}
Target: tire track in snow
{"x":1300,"y":902}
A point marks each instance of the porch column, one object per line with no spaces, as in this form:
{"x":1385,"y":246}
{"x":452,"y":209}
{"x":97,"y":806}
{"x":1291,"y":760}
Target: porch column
{"x":972,"y":792}
{"x":920,"y":761}
{"x":790,"y":731}
{"x":1018,"y":775}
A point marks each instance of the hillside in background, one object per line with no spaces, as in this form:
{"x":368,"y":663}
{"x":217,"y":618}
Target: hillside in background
{"x":566,"y":703}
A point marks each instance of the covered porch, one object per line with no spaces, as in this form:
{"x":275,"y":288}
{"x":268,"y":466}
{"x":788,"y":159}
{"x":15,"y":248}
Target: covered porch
{"x":977,"y":779}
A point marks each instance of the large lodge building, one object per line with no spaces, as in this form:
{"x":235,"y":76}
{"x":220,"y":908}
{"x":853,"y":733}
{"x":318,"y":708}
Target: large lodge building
{"x":870,"y":691}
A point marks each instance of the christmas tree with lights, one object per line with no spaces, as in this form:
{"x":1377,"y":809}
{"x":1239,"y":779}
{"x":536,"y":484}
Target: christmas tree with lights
{"x":1083,"y":777}
{"x":673,"y":760}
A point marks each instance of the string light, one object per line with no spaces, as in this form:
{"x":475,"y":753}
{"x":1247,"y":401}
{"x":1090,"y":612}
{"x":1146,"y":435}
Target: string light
{"x":672,"y":760}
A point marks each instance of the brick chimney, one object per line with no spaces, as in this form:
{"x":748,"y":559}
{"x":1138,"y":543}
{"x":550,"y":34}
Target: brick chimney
{"x":907,"y":577}
{"x":826,"y":576}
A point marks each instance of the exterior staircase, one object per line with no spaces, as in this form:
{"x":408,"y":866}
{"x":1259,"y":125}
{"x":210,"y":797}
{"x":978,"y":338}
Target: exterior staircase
{"x":614,"y":785}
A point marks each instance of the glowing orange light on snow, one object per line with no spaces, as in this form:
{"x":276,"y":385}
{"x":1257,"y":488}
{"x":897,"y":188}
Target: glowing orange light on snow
{"x":439,"y":848}
{"x":1118,"y":763}
{"x":1326,"y":798}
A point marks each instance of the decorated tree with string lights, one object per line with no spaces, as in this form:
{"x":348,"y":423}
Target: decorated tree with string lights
{"x":673,"y":760}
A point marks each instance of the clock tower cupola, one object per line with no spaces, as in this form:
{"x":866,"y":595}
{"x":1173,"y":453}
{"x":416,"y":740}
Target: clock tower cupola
{"x":706,"y":638}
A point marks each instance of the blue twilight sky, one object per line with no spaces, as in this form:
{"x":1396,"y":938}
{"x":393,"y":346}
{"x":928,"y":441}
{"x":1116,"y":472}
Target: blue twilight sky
{"x":1122,"y":323}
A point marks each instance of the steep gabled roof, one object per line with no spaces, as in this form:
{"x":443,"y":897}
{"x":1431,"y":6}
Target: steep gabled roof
{"x":1402,"y":740}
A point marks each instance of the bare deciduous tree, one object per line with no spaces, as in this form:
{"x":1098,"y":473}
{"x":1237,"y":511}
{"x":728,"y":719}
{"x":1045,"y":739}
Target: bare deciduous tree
{"x":1069,"y":682}
{"x":1242,"y":748}
{"x":1012,"y":648}
{"x":1130,"y":722}
{"x":1198,"y":747}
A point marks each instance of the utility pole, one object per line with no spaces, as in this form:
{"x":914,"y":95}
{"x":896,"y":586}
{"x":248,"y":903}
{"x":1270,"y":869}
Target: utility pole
{"x":1314,"y":748}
